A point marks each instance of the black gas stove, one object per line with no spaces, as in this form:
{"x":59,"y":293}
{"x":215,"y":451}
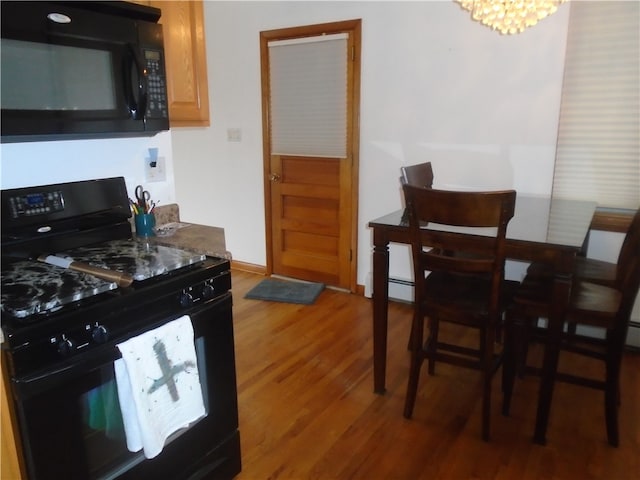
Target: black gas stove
{"x":50,"y":316}
{"x":62,"y":326}
{"x":45,"y":308}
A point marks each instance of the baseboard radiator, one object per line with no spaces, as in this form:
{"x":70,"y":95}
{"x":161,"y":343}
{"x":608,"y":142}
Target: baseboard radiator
{"x":401,"y":289}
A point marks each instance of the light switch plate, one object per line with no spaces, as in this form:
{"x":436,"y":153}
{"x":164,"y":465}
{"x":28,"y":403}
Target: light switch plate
{"x":157,"y":173}
{"x":234,"y":135}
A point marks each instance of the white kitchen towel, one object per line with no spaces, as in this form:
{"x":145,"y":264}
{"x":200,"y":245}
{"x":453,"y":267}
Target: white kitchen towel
{"x":127,"y":407}
{"x":158,"y":385}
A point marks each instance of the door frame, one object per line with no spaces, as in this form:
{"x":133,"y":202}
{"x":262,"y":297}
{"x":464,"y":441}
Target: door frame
{"x":353,"y":28}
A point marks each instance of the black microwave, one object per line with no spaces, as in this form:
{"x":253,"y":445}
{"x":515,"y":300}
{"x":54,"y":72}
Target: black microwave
{"x":73,"y":70}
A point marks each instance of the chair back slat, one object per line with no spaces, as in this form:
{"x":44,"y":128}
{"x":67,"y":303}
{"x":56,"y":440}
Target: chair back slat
{"x":420,"y":175}
{"x":630,"y":248}
{"x":469,"y":209}
{"x":628,"y":268}
{"x":481,"y":240}
{"x":433,"y":260}
{"x":630,"y":245}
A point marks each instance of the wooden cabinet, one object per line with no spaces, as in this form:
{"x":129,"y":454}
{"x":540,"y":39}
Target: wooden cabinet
{"x":186,"y":63}
{"x":9,"y":464}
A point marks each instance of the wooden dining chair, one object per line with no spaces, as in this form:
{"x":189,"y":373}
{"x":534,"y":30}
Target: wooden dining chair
{"x":466,"y":288}
{"x":591,"y":304}
{"x":420,"y":175}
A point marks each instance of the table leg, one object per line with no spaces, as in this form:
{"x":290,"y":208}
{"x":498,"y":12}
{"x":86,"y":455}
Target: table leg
{"x":560,"y":297}
{"x":380,"y":310}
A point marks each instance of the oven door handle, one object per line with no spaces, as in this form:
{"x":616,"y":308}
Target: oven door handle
{"x":47,"y":374}
{"x":30,"y":385}
{"x":35,"y":384}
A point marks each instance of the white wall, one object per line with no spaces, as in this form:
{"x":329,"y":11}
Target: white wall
{"x":41,"y":163}
{"x":435,"y":86}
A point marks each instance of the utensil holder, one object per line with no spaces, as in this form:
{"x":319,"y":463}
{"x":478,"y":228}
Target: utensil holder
{"x":145,"y":224}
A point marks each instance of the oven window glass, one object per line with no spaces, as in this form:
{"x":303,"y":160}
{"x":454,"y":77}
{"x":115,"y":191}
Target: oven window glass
{"x":102,"y":426}
{"x":37,"y":76}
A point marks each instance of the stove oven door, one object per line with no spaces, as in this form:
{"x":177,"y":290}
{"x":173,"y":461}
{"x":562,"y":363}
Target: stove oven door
{"x":71,"y":425}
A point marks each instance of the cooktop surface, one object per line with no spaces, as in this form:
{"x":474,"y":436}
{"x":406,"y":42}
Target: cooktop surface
{"x":30,"y":287}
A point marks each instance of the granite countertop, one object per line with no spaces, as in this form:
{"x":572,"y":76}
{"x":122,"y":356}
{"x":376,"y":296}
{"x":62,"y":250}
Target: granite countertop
{"x":172,"y":232}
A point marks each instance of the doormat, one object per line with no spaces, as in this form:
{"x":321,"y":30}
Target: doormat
{"x":273,"y":290}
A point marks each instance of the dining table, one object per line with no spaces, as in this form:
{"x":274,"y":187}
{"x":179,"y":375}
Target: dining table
{"x":543,"y":229}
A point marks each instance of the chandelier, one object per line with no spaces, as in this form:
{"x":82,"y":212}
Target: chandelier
{"x":510,"y":16}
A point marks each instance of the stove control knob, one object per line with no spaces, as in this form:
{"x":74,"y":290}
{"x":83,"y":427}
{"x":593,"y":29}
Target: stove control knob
{"x":208,"y":290}
{"x":100,"y":334}
{"x":186,"y":299}
{"x":65,"y":346}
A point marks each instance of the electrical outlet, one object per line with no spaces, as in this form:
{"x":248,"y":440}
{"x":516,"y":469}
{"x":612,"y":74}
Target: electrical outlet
{"x":234,"y":135}
{"x":155,"y":173}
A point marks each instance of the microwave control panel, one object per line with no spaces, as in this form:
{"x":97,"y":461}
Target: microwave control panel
{"x":158,"y":105}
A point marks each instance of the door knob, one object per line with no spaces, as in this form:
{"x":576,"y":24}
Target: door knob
{"x":274,"y":177}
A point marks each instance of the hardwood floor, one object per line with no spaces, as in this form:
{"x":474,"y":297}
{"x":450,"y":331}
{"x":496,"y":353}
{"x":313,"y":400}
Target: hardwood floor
{"x":308,"y":411}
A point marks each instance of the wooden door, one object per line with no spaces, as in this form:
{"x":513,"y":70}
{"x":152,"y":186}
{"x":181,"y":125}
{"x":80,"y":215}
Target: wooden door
{"x":310,"y":199}
{"x":310,"y":219}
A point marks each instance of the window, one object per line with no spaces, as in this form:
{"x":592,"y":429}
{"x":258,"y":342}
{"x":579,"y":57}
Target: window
{"x":598,"y":151}
{"x":308,"y":108}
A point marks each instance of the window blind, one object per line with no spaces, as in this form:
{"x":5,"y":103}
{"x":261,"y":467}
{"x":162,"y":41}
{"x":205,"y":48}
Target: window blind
{"x":308,"y":109}
{"x":598,"y":149}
